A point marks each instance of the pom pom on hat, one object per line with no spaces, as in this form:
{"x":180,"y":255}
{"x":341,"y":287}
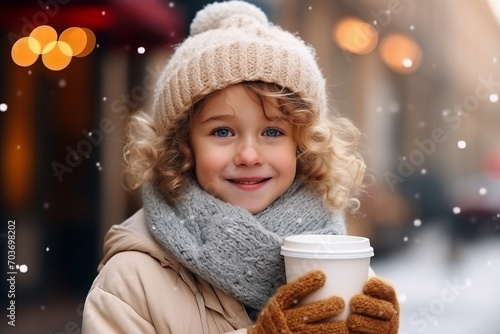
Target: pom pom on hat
{"x":214,"y":14}
{"x":232,"y":42}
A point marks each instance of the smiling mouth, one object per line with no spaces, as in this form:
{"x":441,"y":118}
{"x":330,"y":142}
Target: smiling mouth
{"x":249,"y":181}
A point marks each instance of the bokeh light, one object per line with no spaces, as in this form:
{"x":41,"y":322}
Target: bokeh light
{"x":401,"y":53}
{"x":89,"y":46}
{"x":56,"y":53}
{"x":45,"y":36}
{"x":355,"y":35}
{"x":59,"y":56}
{"x":76,"y":38}
{"x":22,"y":54}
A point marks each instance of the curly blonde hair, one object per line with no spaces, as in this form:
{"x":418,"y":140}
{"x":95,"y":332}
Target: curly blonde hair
{"x":327,"y":156}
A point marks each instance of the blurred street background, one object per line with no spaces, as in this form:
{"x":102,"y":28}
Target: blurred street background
{"x":420,"y":78}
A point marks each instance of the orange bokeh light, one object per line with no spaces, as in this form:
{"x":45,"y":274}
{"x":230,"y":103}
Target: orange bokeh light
{"x":21,"y":52}
{"x":59,"y":56}
{"x":45,"y":35}
{"x":89,"y":46}
{"x":56,"y":53}
{"x":76,"y":38}
{"x":355,"y":35}
{"x":401,"y":53}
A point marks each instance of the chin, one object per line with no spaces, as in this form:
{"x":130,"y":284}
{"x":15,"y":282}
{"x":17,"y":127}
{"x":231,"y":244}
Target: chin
{"x":254,"y":209}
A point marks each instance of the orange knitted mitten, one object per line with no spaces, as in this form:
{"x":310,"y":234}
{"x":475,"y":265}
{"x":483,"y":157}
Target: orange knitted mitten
{"x":376,"y":311}
{"x":281,"y":314}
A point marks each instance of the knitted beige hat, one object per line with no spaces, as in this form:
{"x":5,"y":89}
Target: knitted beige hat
{"x":231,"y":42}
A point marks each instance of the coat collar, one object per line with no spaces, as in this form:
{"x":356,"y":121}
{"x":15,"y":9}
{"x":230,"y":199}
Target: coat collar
{"x":133,"y":234}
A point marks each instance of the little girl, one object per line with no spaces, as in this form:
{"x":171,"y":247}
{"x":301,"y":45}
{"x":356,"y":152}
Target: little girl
{"x":240,"y":151}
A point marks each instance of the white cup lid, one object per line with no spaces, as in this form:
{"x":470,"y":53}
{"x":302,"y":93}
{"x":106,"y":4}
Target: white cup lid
{"x":327,"y":247}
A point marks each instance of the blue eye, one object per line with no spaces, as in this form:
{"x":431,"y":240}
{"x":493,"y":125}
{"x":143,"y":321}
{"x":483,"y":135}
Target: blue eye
{"x":273,"y":133}
{"x":222,"y":133}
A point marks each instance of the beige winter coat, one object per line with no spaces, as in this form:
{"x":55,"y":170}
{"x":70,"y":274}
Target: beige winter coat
{"x":141,"y":288}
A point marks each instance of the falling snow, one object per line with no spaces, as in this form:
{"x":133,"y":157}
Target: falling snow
{"x":483,"y":191}
{"x":407,"y":62}
{"x":417,"y":222}
{"x":22,"y":268}
{"x":461,"y":144}
{"x":474,"y":276}
{"x":456,"y":210}
{"x":3,"y":107}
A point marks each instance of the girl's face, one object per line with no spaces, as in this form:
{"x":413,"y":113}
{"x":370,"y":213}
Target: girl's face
{"x":243,"y":155}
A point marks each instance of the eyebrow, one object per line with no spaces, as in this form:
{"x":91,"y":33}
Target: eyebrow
{"x":217,"y":118}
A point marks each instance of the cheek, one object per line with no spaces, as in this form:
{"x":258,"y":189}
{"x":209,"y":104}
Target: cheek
{"x":289,"y":167}
{"x":206,"y":158}
{"x":209,"y":167}
{"x":286,"y":159}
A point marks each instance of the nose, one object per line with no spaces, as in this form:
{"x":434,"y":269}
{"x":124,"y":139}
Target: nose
{"x":249,"y":154}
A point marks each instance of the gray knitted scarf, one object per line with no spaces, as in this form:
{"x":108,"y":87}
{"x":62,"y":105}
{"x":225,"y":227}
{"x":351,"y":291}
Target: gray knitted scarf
{"x":228,"y":246}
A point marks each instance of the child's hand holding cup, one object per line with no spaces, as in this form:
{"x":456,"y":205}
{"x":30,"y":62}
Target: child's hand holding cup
{"x":344,"y":259}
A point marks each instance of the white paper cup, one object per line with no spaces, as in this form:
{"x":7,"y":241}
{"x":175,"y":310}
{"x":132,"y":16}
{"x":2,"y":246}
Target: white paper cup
{"x":344,"y":259}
